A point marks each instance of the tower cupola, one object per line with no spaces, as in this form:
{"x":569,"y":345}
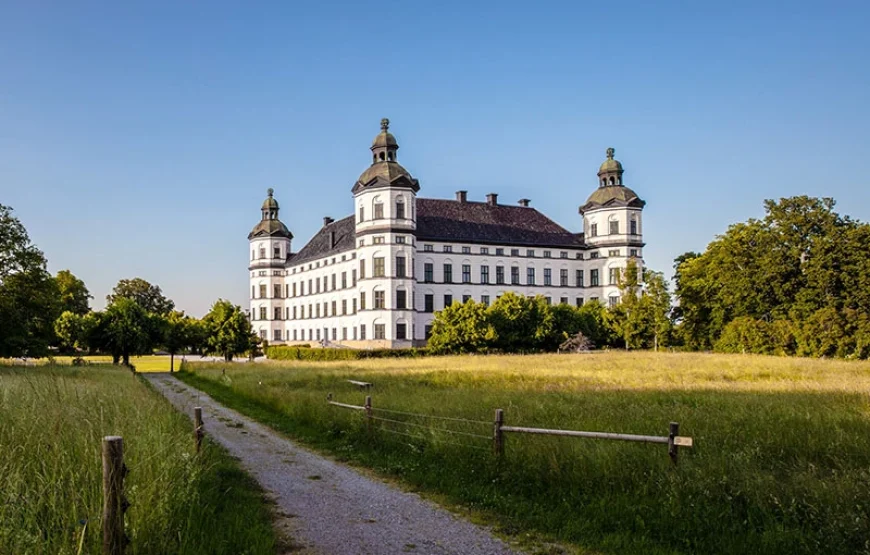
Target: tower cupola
{"x":385,"y":171}
{"x":270,"y":225}
{"x":610,"y":172}
{"x":384,"y":146}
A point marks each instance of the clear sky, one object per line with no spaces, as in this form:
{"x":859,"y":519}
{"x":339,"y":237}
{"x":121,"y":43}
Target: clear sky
{"x":139,"y":138}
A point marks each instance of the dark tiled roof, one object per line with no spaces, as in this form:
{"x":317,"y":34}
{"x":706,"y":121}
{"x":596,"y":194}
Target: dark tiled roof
{"x":321,"y":244}
{"x":480,"y":222}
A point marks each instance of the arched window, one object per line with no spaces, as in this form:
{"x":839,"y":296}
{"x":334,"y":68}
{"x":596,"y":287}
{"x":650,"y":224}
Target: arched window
{"x":611,"y":181}
{"x":400,"y":209}
{"x":390,"y":156}
{"x":382,"y":157}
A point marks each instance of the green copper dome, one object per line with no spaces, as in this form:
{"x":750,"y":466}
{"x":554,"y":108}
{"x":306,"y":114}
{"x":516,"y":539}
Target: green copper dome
{"x":270,"y":203}
{"x":611,"y":165}
{"x":385,"y":138}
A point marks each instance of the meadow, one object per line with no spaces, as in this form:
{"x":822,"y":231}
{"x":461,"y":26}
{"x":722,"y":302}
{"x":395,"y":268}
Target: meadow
{"x":52,"y":421}
{"x":781,"y":462}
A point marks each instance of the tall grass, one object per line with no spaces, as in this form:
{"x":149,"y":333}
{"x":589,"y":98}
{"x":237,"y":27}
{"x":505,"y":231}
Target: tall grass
{"x":781,"y":462}
{"x":52,"y":421}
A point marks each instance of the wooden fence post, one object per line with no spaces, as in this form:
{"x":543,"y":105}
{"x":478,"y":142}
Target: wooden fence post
{"x":497,"y":434}
{"x":197,"y":427}
{"x":114,"y":502}
{"x":673,"y":431}
{"x":368,"y":406}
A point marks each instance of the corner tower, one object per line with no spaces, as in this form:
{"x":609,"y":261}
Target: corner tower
{"x":385,"y":206}
{"x":270,"y":248}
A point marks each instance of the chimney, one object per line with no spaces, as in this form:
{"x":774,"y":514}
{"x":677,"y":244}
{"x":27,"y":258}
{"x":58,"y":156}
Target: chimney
{"x":327,"y":220}
{"x":461,"y":196}
{"x":492,"y":199}
{"x":332,"y":239}
{"x":524,"y":202}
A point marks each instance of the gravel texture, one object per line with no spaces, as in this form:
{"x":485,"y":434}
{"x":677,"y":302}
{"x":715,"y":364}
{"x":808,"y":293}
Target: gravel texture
{"x":324,"y":506}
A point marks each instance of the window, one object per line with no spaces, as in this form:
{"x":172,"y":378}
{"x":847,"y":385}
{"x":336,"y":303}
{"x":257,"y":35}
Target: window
{"x":499,"y":251}
{"x":253,"y":254}
{"x":276,"y":335}
{"x":466,"y":273}
{"x":379,"y":210}
{"x":400,"y":266}
{"x":401,"y":299}
{"x":400,"y":239}
{"x":262,"y":252}
{"x":362,"y":300}
{"x":400,"y":210}
{"x":613,"y":252}
{"x":448,"y":273}
{"x":362,"y":332}
{"x":484,"y":274}
{"x":530,"y":253}
{"x":276,"y":313}
{"x":262,"y":290}
{"x":317,"y":310}
{"x":333,"y":282}
{"x":579,"y":256}
{"x":335,"y":308}
{"x":632,"y":253}
{"x":448,"y":248}
{"x":334,"y":334}
{"x":344,"y":307}
{"x":515,"y":275}
{"x":466,"y":250}
{"x":262,"y":313}
{"x":578,"y":278}
{"x":378,"y":269}
{"x":530,"y":276}
{"x":429,"y":303}
{"x":380,"y":331}
{"x":380,"y":300}
{"x":499,"y":275}
{"x":484,"y":250}
{"x":593,"y":278}
{"x":362,"y":243}
{"x":484,"y":300}
{"x":448,"y":300}
{"x":353,"y":278}
{"x":401,"y":331}
{"x":428,"y":248}
{"x":633,"y":227}
{"x":353,"y":305}
{"x":295,"y":334}
{"x":466,"y":298}
{"x":563,"y":277}
{"x":548,"y":300}
{"x":515,"y":252}
{"x":277,"y":254}
{"x":294,"y":289}
{"x":344,"y":280}
{"x":593,"y":254}
{"x":317,"y":283}
{"x":362,"y":213}
{"x":563,"y":254}
{"x":614,"y":227}
{"x":263,"y":334}
{"x":362,"y":268}
{"x":547,"y":254}
{"x":613,"y":276}
{"x":563,"y":300}
{"x":548,"y":276}
{"x":378,"y":240}
{"x":579,"y":301}
{"x":428,"y":272}
{"x":612,"y":301}
{"x":428,"y":331}
{"x":294,"y":312}
{"x":593,"y":230}
{"x":344,"y":334}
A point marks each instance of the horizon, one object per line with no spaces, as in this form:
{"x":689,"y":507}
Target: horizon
{"x":139,"y":141}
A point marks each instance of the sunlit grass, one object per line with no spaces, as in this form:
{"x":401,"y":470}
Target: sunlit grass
{"x":52,"y":421}
{"x":781,"y":462}
{"x":149,"y":363}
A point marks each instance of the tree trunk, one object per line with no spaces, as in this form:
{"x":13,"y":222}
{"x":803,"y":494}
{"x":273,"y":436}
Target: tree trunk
{"x":116,"y":359}
{"x":171,"y":362}
{"x":126,"y":359}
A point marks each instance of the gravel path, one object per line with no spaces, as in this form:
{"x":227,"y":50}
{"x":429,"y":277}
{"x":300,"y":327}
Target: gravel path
{"x":326,"y":507}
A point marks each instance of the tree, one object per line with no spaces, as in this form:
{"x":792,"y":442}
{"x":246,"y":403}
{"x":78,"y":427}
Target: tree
{"x":177,"y":334}
{"x":629,"y":320}
{"x":148,"y":296}
{"x":70,"y":331}
{"x":228,"y":331}
{"x":74,"y":296}
{"x":28,"y":294}
{"x":655,"y":306}
{"x":126,"y":329}
{"x":460,"y":328}
{"x":520,"y":324}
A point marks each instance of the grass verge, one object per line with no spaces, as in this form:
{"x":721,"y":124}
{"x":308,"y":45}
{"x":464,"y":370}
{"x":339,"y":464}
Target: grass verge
{"x":781,"y":464}
{"x":52,"y":421}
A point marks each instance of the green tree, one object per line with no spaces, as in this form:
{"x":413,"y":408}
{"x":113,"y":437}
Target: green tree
{"x":70,"y":331}
{"x":629,"y":321}
{"x":28,"y":294}
{"x":655,"y":307}
{"x":74,"y":296}
{"x":148,"y":296}
{"x":520,"y":324}
{"x":177,"y":334}
{"x":460,"y":328}
{"x":228,"y":331}
{"x":126,"y":329}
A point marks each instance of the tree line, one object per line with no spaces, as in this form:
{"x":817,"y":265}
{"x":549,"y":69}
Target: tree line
{"x":41,"y":314}
{"x":796,"y":282}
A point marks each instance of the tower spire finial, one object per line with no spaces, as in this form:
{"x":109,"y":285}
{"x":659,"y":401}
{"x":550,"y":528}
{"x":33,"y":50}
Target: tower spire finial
{"x":610,"y":153}
{"x":271,"y":192}
{"x":385,"y":124}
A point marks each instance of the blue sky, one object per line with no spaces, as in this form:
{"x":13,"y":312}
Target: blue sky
{"x":138,"y":139}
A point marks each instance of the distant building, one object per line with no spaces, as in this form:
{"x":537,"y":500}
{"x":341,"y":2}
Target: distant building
{"x":377,"y":277}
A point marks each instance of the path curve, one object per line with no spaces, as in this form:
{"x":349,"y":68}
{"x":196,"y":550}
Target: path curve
{"x":334,"y":509}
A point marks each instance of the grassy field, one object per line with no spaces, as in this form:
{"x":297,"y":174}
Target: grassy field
{"x":151,"y":363}
{"x":781,"y":462}
{"x":52,"y":421}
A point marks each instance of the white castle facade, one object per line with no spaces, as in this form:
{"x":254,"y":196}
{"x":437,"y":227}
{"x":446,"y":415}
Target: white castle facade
{"x":377,"y":278}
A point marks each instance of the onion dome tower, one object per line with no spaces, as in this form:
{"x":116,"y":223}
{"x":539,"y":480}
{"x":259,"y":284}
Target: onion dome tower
{"x":270,"y":248}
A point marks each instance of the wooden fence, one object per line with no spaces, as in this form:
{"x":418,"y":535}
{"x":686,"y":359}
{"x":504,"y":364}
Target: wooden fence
{"x":673,"y":440}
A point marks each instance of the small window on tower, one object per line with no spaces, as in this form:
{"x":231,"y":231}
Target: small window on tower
{"x":277,"y":252}
{"x":379,"y":210}
{"x":262,"y":252}
{"x":400,"y":210}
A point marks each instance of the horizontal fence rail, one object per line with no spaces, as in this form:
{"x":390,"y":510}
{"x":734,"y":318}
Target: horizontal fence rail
{"x":673,"y":440}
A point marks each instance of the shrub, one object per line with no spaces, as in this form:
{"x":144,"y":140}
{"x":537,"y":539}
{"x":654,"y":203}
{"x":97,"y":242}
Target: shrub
{"x":304,"y":352}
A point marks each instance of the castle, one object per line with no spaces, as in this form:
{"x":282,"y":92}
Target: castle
{"x":377,"y":277}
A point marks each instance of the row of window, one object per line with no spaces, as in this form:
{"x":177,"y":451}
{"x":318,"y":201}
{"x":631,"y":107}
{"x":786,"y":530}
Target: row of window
{"x":614,"y":228}
{"x":429,"y":300}
{"x":499,"y":251}
{"x":380,"y":332}
{"x":531,"y":275}
{"x":379,"y":302}
{"x":378,"y":209}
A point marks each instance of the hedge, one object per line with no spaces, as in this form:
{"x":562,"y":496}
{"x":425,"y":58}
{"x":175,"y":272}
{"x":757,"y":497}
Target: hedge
{"x":286,"y":352}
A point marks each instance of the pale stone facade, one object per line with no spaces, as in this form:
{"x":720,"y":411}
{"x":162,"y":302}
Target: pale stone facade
{"x":376,"y":278}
